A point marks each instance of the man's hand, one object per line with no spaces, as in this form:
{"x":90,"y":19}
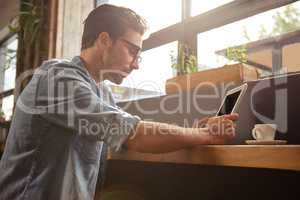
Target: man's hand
{"x":219,"y":129}
{"x":201,"y":123}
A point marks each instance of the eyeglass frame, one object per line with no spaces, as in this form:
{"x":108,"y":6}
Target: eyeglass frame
{"x":136,"y":55}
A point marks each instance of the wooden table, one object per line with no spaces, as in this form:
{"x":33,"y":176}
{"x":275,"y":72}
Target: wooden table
{"x":258,"y":156}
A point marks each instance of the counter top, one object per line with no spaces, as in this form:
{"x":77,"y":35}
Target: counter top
{"x":259,"y":156}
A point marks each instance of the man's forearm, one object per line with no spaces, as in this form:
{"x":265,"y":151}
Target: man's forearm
{"x":154,"y":137}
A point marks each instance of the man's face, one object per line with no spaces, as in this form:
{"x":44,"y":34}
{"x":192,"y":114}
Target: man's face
{"x":122,"y":56}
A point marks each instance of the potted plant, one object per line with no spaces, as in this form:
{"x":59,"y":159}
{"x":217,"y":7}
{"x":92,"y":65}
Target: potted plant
{"x":185,"y":62}
{"x":237,"y":53}
{"x":233,"y":74}
{"x":2,"y":116}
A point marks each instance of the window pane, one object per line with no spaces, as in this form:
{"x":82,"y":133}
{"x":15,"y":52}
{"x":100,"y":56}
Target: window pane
{"x":154,"y":11}
{"x":10,"y":71}
{"x":154,"y":70}
{"x":199,"y":7}
{"x":7,"y":106}
{"x":254,"y":34}
{"x":8,"y":64}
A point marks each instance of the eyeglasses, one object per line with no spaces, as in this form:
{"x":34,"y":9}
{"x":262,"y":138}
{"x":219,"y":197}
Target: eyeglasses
{"x":134,"y":50}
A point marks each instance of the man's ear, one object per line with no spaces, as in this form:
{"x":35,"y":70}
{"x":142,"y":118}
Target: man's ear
{"x":103,"y":40}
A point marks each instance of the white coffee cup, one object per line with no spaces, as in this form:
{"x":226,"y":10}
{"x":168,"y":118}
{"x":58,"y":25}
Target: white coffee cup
{"x":264,"y":131}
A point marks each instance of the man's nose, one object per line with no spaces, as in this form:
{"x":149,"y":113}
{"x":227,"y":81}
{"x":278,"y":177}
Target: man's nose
{"x":135,"y":64}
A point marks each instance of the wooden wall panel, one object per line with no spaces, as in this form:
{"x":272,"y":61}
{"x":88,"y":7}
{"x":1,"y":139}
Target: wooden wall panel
{"x":71,"y":15}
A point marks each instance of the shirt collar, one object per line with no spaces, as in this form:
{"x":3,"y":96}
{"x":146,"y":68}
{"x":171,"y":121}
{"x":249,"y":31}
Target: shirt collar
{"x":79,"y":62}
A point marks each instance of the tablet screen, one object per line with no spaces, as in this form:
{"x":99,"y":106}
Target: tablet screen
{"x":228,"y":105}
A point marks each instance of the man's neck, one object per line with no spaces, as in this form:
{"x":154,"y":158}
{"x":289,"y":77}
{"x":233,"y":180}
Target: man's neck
{"x":91,"y":65}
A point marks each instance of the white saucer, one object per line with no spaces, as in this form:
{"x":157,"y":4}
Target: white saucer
{"x":266,"y":142}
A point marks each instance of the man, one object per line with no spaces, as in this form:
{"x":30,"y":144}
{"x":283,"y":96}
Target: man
{"x":64,"y":121}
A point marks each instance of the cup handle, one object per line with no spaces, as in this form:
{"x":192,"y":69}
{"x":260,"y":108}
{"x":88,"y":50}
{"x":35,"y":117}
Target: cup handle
{"x":254,"y":133}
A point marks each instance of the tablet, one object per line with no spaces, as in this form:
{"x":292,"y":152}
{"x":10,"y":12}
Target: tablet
{"x":232,"y":100}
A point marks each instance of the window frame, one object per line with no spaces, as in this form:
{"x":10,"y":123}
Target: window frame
{"x":217,"y":17}
{"x":187,"y":30}
{"x":5,"y":38}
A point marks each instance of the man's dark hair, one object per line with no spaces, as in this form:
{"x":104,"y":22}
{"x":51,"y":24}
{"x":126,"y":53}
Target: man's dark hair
{"x":114,"y":20}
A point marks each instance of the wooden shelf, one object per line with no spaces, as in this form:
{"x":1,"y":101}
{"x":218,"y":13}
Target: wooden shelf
{"x":258,"y":156}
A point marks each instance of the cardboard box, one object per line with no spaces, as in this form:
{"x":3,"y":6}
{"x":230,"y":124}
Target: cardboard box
{"x":236,"y":74}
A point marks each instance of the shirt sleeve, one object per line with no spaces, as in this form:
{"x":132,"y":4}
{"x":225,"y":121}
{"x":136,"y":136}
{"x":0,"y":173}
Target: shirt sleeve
{"x":66,"y":98}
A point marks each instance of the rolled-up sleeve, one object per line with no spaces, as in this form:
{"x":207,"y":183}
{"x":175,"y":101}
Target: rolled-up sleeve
{"x":66,"y":98}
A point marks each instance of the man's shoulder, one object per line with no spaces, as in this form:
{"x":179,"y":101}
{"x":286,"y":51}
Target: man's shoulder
{"x":55,"y":61}
{"x":60,"y":63}
{"x":63,"y":67}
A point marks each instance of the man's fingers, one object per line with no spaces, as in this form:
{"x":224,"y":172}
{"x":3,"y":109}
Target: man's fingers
{"x":232,"y":117}
{"x":200,"y":123}
{"x":230,"y":132}
{"x":229,"y":126}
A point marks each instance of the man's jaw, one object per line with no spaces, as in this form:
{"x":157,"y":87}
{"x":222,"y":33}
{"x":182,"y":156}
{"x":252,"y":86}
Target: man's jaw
{"x":117,"y":78}
{"x":112,"y":74}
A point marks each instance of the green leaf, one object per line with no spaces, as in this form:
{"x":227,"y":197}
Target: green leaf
{"x":23,"y":3}
{"x":13,"y":29}
{"x":26,"y":13}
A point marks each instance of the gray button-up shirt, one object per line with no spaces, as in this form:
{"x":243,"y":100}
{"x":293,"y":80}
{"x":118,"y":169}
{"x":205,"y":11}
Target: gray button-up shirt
{"x":61,"y":122}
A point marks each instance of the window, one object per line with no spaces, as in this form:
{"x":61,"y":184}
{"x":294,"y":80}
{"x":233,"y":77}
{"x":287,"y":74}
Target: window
{"x":210,"y":28}
{"x":255,"y":32}
{"x":8,"y":52}
{"x":154,"y":11}
{"x":199,"y":7}
{"x":154,"y":70}
{"x":152,"y":74}
{"x":7,"y":106}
